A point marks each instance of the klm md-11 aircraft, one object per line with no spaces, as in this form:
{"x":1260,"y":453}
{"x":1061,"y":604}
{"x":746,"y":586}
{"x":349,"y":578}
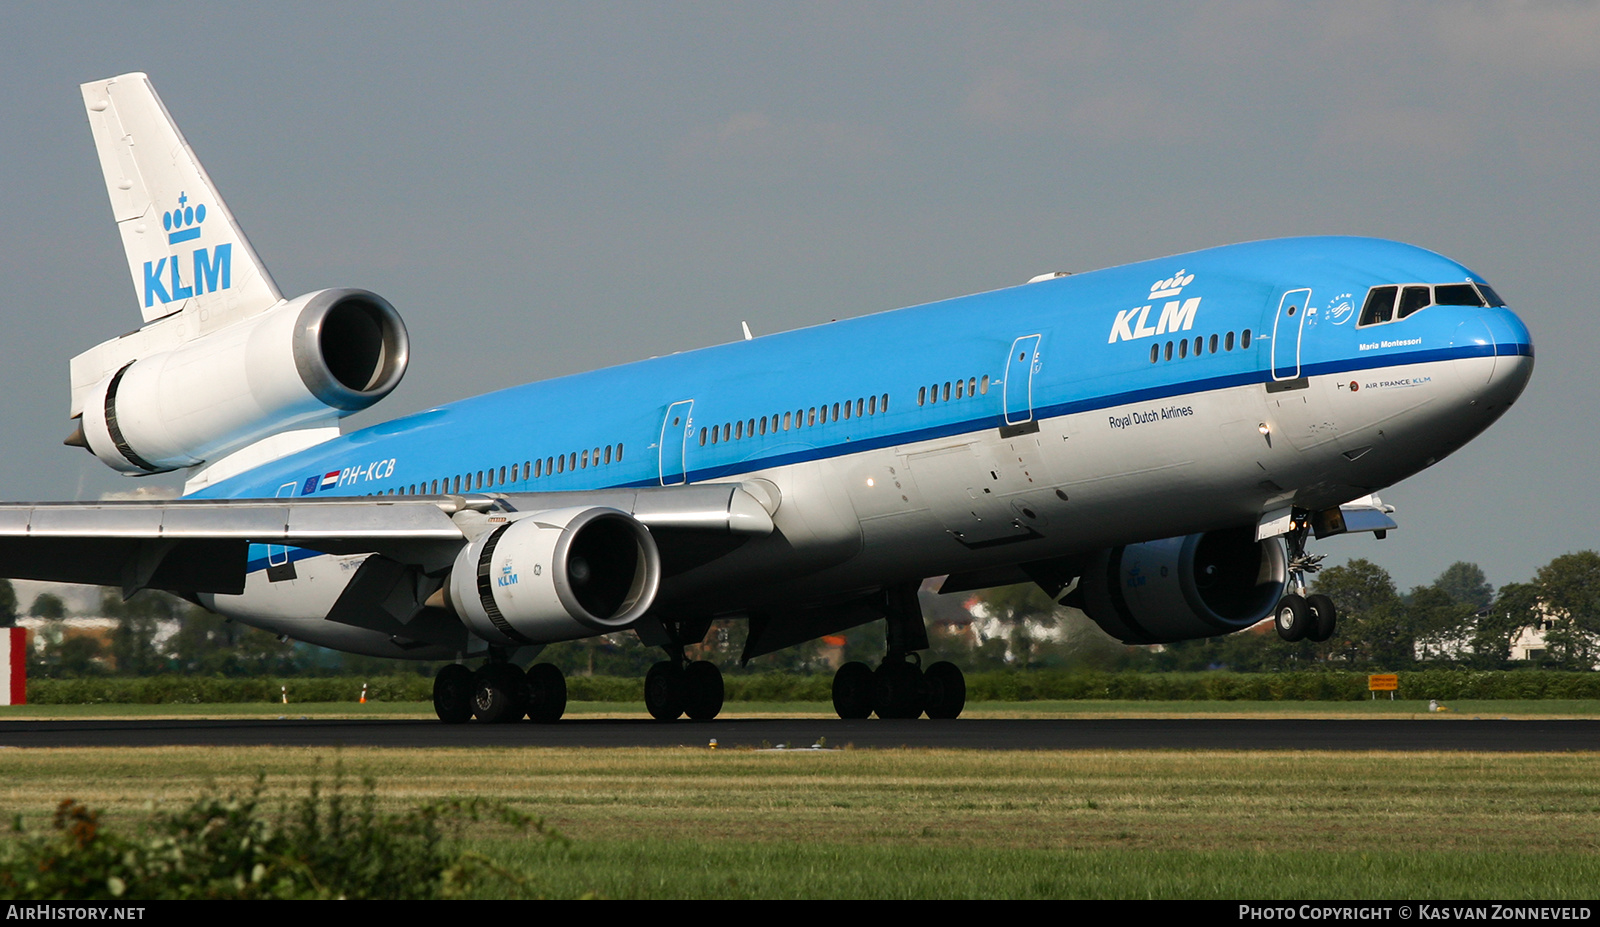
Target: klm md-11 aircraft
{"x":1154,"y":443}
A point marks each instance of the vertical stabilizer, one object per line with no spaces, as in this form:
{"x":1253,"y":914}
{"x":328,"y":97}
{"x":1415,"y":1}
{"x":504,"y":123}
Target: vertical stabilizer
{"x":185,"y":252}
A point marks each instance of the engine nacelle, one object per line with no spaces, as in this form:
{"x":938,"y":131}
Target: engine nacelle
{"x":556,"y":576}
{"x":1202,"y":585}
{"x":326,"y":354}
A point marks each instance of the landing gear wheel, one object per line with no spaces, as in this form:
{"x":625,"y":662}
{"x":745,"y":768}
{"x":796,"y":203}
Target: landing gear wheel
{"x":899,"y":690}
{"x":664,"y":691}
{"x":853,"y":688}
{"x":499,"y":694}
{"x":1324,"y":618}
{"x":452,"y":694}
{"x":547,"y":693}
{"x":703,"y":692}
{"x":1293,"y":618}
{"x":947,"y":690}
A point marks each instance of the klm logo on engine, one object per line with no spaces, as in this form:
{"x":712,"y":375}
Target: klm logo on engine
{"x":508,"y":574}
{"x":1175,"y":316}
{"x":209,"y":269}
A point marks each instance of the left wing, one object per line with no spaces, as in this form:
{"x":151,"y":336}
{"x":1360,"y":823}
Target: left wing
{"x":191,"y":546}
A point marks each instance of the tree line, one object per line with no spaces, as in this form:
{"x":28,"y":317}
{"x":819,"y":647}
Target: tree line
{"x":1458,"y":619}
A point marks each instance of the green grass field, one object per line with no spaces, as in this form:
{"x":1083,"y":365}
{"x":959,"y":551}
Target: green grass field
{"x":1077,"y":708}
{"x":682,"y":823}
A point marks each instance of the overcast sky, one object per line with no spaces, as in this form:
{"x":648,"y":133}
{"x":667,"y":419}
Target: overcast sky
{"x":542,"y":188}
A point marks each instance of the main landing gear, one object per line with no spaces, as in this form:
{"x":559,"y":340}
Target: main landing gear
{"x":899,"y":687}
{"x":1300,"y":616}
{"x":499,"y":693}
{"x":679,"y":687}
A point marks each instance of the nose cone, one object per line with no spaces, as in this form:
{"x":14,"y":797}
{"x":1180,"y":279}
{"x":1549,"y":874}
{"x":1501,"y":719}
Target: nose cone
{"x":1513,"y":348}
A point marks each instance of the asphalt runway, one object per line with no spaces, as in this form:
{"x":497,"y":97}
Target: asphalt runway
{"x":1457,"y":733}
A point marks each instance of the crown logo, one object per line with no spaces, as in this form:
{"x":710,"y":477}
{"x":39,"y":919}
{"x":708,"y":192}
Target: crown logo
{"x":183,"y":223}
{"x":1171,"y":286}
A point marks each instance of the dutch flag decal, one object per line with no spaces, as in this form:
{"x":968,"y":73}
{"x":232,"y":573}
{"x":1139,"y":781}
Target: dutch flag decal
{"x":330,"y":480}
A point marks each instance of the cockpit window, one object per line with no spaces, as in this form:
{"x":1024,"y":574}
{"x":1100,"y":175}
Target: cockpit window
{"x":1391,"y":303}
{"x":1380,"y":305}
{"x":1414,"y":299}
{"x":1456,"y":294}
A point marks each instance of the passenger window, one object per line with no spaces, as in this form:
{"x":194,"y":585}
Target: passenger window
{"x":1227,"y":342}
{"x":1244,"y":339}
{"x":811,"y":416}
{"x":1213,"y":344}
{"x":884,"y":405}
{"x":1168,"y":352}
{"x":1379,"y":306}
{"x":1155,"y":353}
{"x":502,"y":476}
{"x":836,"y":411}
{"x":972,"y":384}
{"x":738,"y":433}
{"x":922,"y":396}
{"x":872,"y":405}
{"x":1198,"y":342}
{"x":786,"y":420}
{"x":847,"y":410}
{"x":983,"y":385}
{"x":1183,"y":349}
{"x":561,"y":464}
{"x":619,"y":452}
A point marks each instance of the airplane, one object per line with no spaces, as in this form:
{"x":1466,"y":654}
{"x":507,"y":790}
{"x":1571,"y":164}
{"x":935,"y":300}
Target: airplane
{"x":1155,"y":443}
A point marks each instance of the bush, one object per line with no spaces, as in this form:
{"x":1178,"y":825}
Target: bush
{"x":321,"y":847}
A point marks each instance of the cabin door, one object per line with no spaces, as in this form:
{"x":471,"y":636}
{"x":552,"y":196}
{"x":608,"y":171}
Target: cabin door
{"x":1286,"y":328}
{"x":278,"y":566}
{"x":1021,"y":364}
{"x":675,"y":428}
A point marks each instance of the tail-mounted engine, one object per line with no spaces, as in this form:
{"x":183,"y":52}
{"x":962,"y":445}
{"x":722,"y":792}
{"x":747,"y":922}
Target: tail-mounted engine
{"x":1202,"y":585}
{"x":321,"y":356}
{"x":555,"y":576}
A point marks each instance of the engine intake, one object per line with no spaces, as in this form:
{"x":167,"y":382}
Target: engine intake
{"x":1201,"y":585}
{"x":556,"y":576}
{"x":324,"y":355}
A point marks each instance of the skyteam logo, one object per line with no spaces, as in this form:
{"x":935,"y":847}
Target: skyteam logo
{"x":1342,"y":310}
{"x":1175,"y":315}
{"x":212,"y":268}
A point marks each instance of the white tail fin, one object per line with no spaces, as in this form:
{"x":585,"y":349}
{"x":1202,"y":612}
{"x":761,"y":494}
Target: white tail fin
{"x":185,"y":252}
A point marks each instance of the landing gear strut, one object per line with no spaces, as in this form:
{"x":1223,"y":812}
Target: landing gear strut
{"x":1300,"y":616}
{"x":899,"y":687}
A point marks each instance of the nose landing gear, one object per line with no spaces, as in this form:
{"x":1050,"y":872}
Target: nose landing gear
{"x":1300,"y":616}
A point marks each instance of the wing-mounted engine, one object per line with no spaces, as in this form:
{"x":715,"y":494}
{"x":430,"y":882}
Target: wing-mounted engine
{"x":554,"y":576}
{"x":316,"y":358}
{"x":1201,"y":585}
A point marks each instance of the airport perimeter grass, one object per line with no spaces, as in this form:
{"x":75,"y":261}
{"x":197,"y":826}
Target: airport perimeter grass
{"x":683,"y":823}
{"x":1074,"y":708}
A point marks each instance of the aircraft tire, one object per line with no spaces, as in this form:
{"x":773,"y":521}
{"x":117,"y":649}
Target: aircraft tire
{"x":664,"y":691}
{"x":853,"y":689}
{"x":498,"y":695}
{"x":899,"y":690}
{"x":452,"y":694}
{"x":1293,"y":618}
{"x":547,"y":693}
{"x":1324,"y":618}
{"x":703,"y":690}
{"x":947,"y":690}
